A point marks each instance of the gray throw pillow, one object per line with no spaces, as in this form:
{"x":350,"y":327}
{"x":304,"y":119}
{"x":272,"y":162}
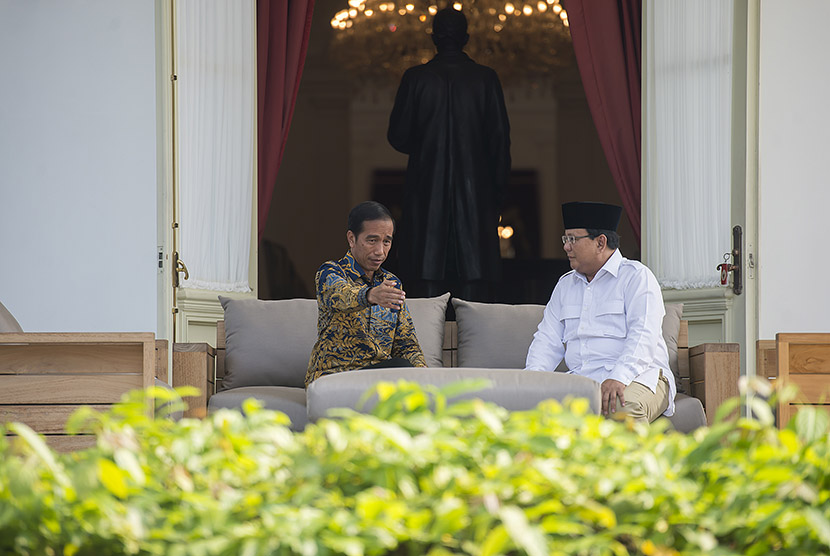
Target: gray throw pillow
{"x":428,"y":315}
{"x":7,"y":322}
{"x":495,"y":335}
{"x":671,"y":330}
{"x":268,"y":343}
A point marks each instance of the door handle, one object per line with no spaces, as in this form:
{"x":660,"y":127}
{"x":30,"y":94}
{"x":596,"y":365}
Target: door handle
{"x":735,"y":266}
{"x":178,"y":268}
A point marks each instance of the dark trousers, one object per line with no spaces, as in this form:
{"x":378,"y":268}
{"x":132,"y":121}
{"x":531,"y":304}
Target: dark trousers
{"x":390,"y":363}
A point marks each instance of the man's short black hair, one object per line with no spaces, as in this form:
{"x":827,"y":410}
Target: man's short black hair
{"x":365,"y":211}
{"x":613,"y":237}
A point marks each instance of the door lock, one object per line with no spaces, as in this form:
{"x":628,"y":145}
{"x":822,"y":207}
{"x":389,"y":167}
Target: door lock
{"x":735,"y":266}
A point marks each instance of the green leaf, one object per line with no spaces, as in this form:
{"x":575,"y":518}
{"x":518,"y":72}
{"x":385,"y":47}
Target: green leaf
{"x":39,"y":447}
{"x":726,"y":409}
{"x":495,"y":542}
{"x":523,"y":534}
{"x":112,"y":477}
{"x":819,"y":523}
{"x":129,"y":462}
{"x":487,"y":415}
{"x":811,"y":423}
{"x":761,"y":410}
{"x":84,"y":419}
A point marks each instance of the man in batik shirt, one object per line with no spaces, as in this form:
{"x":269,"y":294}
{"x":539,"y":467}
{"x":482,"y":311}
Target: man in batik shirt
{"x":362,"y":318}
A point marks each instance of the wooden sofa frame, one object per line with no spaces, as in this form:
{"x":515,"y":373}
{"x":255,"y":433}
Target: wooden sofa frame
{"x":709,"y":372}
{"x":802,"y":360}
{"x":45,"y":377}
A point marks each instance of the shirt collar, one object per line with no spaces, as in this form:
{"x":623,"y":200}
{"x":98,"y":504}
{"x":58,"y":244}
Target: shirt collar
{"x":356,"y":272}
{"x":611,"y":266}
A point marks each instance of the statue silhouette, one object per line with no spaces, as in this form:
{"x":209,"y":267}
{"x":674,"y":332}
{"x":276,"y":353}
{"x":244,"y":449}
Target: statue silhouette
{"x":450,"y":118}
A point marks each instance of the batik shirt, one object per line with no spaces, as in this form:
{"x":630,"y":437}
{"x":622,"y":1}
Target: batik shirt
{"x":352,"y":333}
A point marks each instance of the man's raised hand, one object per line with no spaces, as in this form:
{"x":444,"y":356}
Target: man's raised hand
{"x":386,"y":295}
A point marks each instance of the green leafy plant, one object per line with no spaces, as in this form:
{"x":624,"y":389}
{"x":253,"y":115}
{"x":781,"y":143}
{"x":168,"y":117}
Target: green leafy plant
{"x":418,"y":475}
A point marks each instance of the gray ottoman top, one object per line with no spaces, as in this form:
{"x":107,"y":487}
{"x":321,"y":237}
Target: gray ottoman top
{"x":513,"y":389}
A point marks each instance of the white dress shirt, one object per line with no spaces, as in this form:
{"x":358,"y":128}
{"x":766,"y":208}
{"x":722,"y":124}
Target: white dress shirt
{"x":610,"y":327}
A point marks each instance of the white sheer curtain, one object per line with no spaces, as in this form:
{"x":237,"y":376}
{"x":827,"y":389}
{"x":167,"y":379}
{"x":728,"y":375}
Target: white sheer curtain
{"x":687,"y":139}
{"x":216,"y":112}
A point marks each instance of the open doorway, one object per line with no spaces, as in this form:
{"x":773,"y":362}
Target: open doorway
{"x":337,"y":149}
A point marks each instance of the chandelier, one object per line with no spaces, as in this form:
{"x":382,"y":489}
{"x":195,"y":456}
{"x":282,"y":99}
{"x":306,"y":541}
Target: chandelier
{"x":524,"y":41}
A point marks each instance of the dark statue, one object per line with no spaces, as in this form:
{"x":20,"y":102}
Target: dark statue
{"x":450,"y":118}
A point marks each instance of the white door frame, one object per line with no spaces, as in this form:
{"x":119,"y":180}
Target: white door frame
{"x":189,"y":315}
{"x":717,"y":314}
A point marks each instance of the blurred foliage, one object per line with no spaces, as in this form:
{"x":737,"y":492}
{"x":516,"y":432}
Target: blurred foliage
{"x":418,"y":476}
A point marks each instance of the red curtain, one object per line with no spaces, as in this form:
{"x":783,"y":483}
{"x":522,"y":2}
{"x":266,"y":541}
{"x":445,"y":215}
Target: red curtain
{"x":282,"y":40}
{"x":607,"y":42}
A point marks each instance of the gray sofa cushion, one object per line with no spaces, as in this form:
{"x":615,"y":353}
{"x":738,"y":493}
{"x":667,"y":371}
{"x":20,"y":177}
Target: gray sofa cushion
{"x":495,"y":335}
{"x":688,"y":414}
{"x":268,"y":343}
{"x":671,"y":330}
{"x":512,"y":389}
{"x":428,"y":315}
{"x":289,"y":400}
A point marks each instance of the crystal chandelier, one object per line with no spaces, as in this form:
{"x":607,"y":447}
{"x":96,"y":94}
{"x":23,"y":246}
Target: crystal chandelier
{"x":377,"y":40}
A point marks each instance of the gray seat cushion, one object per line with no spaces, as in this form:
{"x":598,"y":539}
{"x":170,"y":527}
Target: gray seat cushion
{"x":289,"y":400}
{"x":688,"y":414}
{"x":512,"y":389}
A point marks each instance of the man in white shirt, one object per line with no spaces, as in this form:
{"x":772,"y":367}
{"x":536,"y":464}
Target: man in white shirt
{"x":605,"y":318}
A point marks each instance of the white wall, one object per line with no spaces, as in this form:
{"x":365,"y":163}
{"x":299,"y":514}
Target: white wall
{"x":794,"y":176}
{"x":78,"y":164}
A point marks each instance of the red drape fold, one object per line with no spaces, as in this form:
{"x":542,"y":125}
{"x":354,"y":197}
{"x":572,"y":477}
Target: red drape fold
{"x":283,"y":27}
{"x":607,"y":42}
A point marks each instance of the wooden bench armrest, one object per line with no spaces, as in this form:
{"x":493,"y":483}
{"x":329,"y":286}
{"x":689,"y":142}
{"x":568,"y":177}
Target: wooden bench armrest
{"x":194,"y":364}
{"x":715,"y":369}
{"x":45,"y":376}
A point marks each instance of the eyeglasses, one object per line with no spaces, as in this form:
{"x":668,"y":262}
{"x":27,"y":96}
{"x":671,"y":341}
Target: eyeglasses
{"x":572,"y":239}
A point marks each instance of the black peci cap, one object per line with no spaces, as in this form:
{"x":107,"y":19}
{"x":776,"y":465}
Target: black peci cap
{"x":598,"y":216}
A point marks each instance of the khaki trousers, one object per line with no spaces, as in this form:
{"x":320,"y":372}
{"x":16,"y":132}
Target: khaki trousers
{"x":642,"y":404}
